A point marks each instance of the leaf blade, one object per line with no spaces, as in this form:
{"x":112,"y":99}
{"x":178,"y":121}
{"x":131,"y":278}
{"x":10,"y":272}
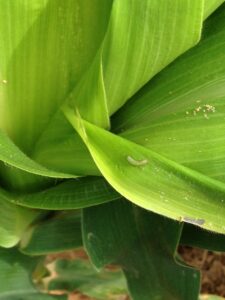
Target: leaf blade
{"x":139,"y":255}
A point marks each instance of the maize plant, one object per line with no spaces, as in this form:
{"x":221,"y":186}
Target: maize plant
{"x":112,"y":139}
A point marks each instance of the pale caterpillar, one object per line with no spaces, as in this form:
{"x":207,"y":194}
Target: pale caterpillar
{"x":137,"y":163}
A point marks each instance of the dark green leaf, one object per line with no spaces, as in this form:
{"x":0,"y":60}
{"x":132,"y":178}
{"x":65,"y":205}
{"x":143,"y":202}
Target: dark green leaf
{"x":16,"y":272}
{"x":144,"y":245}
{"x":57,"y":234}
{"x":71,"y":194}
{"x":197,"y":237}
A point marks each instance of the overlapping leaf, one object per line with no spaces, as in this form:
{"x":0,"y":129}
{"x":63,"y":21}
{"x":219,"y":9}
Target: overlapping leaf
{"x":13,"y":221}
{"x":45,"y":47}
{"x":180,"y":114}
{"x":153,"y":181}
{"x":16,"y":277}
{"x":95,"y":55}
{"x":57,"y":234}
{"x":18,"y":171}
{"x":144,"y":245}
{"x":128,"y":57}
{"x":72,"y":194}
{"x":38,"y":38}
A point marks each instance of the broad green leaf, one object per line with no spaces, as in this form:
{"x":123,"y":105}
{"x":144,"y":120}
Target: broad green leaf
{"x":57,"y":234}
{"x":41,"y":65}
{"x":152,"y":181}
{"x":71,"y":194}
{"x":196,"y":237}
{"x":144,"y":245}
{"x":13,"y":221}
{"x":16,"y":272}
{"x":142,"y":38}
{"x":128,"y":57}
{"x":80,"y":275}
{"x":46,"y":47}
{"x":180,"y":114}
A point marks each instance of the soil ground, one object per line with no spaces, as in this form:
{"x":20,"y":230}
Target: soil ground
{"x":212,"y":266}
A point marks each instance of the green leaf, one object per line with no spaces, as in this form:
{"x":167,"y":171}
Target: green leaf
{"x":57,"y":234}
{"x":13,"y":221}
{"x":60,"y":148}
{"x":71,"y":194}
{"x":13,"y":156}
{"x":196,"y":237}
{"x":144,"y":245}
{"x":80,"y":275}
{"x":18,"y":170}
{"x":180,"y":114}
{"x":133,"y":54}
{"x":31,"y":52}
{"x":210,"y":6}
{"x":128,"y":57}
{"x":16,"y":272}
{"x":152,"y":181}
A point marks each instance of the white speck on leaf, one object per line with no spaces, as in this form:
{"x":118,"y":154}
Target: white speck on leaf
{"x":90,"y":235}
{"x":193,"y":221}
